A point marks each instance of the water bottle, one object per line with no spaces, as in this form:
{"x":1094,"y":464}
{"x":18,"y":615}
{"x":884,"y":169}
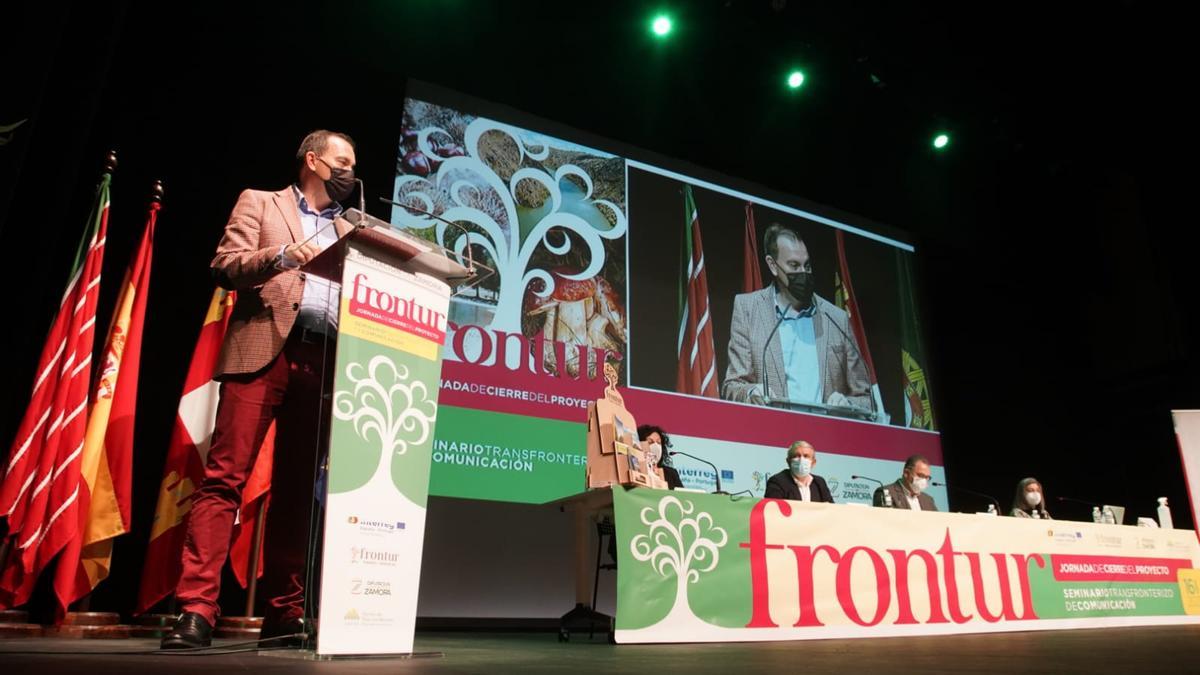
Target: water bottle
{"x":1164,"y":514}
{"x":991,"y":509}
{"x":1109,"y":517}
{"x":1096,"y":515}
{"x":887,"y":498}
{"x":1036,"y":514}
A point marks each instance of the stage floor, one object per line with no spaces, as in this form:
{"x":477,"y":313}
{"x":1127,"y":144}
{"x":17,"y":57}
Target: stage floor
{"x":1173,"y":649}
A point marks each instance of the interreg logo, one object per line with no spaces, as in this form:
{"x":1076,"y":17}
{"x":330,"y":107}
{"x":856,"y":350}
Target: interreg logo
{"x":359,"y":554}
{"x":376,"y":526}
{"x":681,"y":545}
{"x":1065,"y":536}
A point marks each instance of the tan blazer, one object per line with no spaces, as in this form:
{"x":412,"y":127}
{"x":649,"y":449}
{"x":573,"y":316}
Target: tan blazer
{"x":842,"y":369}
{"x":268,"y":299}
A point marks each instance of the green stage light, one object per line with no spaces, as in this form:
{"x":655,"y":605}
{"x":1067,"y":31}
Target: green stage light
{"x":661,"y":25}
{"x":941,"y":141}
{"x":795,"y":79}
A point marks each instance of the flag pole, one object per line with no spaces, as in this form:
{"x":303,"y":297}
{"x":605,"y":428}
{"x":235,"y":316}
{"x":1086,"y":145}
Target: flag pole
{"x":5,"y":547}
{"x":255,"y":552}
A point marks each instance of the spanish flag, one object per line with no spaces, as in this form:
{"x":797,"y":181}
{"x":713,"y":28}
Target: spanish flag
{"x":186,"y":456}
{"x":106,"y":464}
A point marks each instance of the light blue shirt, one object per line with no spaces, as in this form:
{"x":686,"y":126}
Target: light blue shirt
{"x":319,"y":304}
{"x":798,"y":338}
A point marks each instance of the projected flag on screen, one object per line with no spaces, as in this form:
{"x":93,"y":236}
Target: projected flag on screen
{"x":751,"y":273}
{"x":697,"y":371}
{"x":41,"y":484}
{"x":844,"y":298}
{"x":918,"y":412}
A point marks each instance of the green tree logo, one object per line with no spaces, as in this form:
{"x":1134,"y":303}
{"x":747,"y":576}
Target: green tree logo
{"x":383,"y":403}
{"x":681,"y":545}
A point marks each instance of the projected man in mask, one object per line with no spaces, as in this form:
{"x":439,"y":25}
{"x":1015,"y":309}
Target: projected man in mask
{"x":788,"y":344}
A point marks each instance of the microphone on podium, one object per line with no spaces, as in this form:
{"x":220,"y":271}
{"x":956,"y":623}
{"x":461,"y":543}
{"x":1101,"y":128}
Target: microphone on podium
{"x":716,"y":471}
{"x":873,"y":480}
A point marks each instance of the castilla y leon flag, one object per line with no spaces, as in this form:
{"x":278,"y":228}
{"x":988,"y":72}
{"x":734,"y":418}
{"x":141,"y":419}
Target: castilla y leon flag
{"x":186,"y":455}
{"x":845,"y":298}
{"x":106,"y":465}
{"x":918,"y":411}
{"x":41,"y":482}
{"x":697,"y":368}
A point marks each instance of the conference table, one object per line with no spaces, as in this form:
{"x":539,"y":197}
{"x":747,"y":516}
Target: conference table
{"x":696,"y":567}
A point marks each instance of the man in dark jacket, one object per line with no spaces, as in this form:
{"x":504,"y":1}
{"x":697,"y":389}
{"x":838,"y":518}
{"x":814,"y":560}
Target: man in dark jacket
{"x":798,"y":482}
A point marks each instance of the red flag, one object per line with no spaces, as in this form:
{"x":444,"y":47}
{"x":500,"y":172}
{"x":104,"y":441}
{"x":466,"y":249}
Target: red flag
{"x":41,"y":482}
{"x":107,"y":459}
{"x":186,"y":455}
{"x":751,"y":274}
{"x":697,"y":368}
{"x":256,"y":493}
{"x":844,"y":297}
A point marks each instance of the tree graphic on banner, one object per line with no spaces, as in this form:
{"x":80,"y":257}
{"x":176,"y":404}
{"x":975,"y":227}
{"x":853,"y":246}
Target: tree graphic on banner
{"x":466,"y":190}
{"x":679,"y":544}
{"x":385,"y":406}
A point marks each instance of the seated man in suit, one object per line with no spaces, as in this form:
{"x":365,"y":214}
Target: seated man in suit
{"x":798,"y":482}
{"x":909,"y":491}
{"x":786,"y":342}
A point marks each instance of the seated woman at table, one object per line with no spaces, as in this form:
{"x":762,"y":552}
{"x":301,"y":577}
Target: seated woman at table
{"x":656,"y":441}
{"x":1029,"y":502}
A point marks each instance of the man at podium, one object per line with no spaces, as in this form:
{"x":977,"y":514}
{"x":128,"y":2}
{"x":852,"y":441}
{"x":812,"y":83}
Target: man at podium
{"x":788,"y":343}
{"x":271,"y":369}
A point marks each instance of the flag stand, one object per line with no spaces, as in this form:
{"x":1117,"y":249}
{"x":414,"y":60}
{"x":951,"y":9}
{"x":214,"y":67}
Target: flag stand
{"x":248,"y":626}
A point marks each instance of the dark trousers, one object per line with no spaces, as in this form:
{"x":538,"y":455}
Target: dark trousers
{"x":288,"y":391}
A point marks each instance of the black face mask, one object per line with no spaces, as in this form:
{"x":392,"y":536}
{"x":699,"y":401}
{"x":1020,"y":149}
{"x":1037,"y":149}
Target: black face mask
{"x":340,"y":183}
{"x":801,"y":286}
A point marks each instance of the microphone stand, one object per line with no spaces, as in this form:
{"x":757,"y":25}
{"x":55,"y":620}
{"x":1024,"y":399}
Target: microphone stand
{"x":716,"y":471}
{"x":873,"y":480}
{"x":766,"y":348}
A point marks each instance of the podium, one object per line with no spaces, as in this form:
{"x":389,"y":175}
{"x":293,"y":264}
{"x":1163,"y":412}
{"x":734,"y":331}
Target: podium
{"x":822,"y":409}
{"x":392,"y":318}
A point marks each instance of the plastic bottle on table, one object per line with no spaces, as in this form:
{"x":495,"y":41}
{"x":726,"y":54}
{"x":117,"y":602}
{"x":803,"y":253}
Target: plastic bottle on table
{"x":1164,"y":514}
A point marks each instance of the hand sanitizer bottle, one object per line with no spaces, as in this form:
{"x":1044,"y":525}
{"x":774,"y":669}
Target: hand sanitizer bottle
{"x":1096,"y":516}
{"x":1164,"y":514}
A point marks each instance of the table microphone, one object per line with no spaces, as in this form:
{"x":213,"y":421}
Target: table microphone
{"x":873,"y":480}
{"x":716,"y":471}
{"x":969,"y":492}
